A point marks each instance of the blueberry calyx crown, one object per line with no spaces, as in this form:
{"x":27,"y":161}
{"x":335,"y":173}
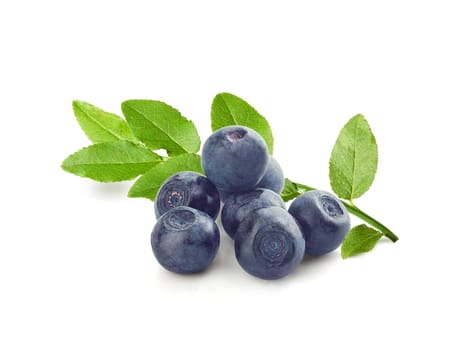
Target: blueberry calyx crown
{"x":273,"y":247}
{"x":174,"y":195}
{"x":331,"y":206}
{"x":236,"y":135}
{"x":180,"y":219}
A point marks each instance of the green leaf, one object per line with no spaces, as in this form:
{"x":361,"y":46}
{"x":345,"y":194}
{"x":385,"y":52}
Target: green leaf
{"x":354,"y":159}
{"x":101,"y":126}
{"x":148,"y":184}
{"x":111,"y":161}
{"x":290,"y":190}
{"x":228,"y":109}
{"x":161,"y":126}
{"x":360,"y":239}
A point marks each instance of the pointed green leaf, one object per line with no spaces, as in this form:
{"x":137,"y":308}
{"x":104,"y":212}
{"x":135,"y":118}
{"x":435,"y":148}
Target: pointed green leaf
{"x":228,"y":109}
{"x":111,"y":161}
{"x":101,"y":126}
{"x":148,"y":184}
{"x":161,"y":126}
{"x":354,"y":159}
{"x":360,"y":239}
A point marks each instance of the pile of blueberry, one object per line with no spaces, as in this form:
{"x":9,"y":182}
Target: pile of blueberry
{"x":269,"y":241}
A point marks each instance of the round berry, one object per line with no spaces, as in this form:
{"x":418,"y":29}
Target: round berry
{"x":238,"y":206}
{"x":323,"y":219}
{"x":269,"y":243}
{"x":235,"y":158}
{"x":273,"y":178}
{"x":185,"y":240}
{"x":188,"y":188}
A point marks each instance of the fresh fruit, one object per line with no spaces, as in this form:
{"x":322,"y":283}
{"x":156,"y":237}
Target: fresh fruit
{"x":235,"y":158}
{"x":188,"y":188}
{"x":269,"y":243}
{"x":323,"y":219}
{"x":238,"y":206}
{"x":224,"y":195}
{"x":273,"y":178}
{"x":185,"y":240}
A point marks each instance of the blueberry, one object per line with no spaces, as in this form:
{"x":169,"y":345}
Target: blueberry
{"x":235,"y":158}
{"x":323,"y":219}
{"x":238,"y":206}
{"x":185,"y":240}
{"x":190,"y":189}
{"x":224,"y":195}
{"x":269,"y":243}
{"x":273,"y":178}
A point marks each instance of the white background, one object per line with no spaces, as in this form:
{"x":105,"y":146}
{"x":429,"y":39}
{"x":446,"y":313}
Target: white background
{"x":76,"y":267}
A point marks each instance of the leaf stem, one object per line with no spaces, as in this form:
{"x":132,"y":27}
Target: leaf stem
{"x":351,"y":208}
{"x":370,"y":220}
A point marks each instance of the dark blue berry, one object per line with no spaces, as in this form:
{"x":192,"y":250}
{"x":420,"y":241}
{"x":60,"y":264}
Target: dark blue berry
{"x":323,"y":219}
{"x":273,"y":178}
{"x":269,"y":243}
{"x":189,"y":189}
{"x":185,"y":240}
{"x":235,"y":158}
{"x":238,"y":206}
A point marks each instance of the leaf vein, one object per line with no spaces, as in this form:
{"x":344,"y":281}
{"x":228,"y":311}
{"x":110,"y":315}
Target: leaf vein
{"x":230,"y":111}
{"x":95,"y":121}
{"x":159,"y":128}
{"x":354,"y":162}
